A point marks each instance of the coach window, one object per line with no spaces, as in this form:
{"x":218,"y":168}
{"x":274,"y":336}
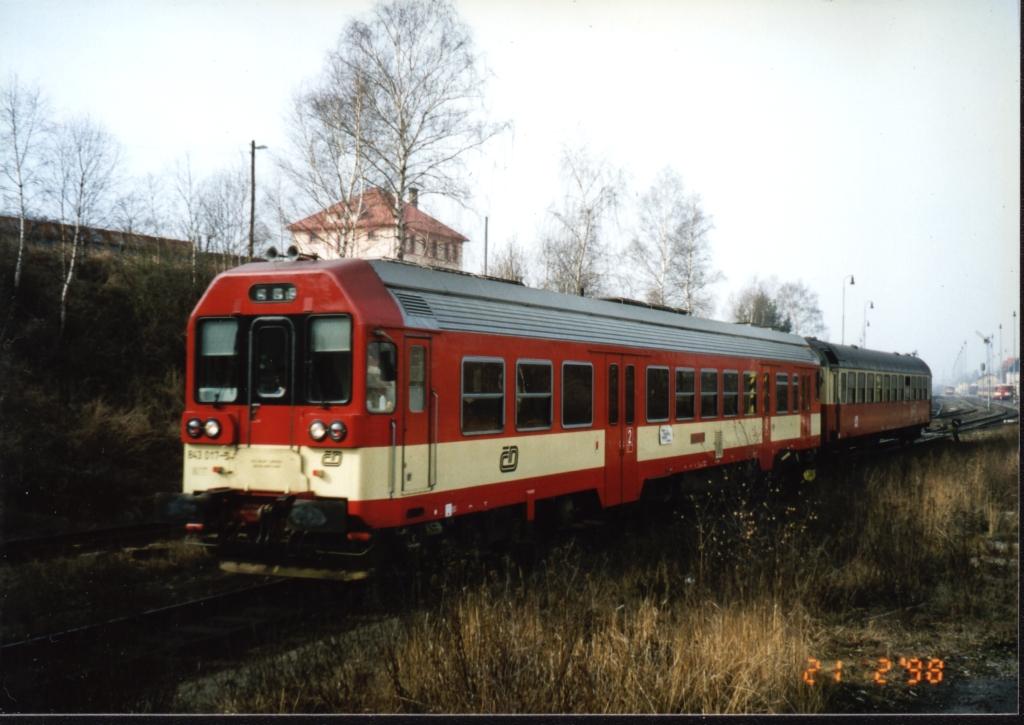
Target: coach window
{"x":794,"y":391}
{"x":381,"y":370}
{"x":657,"y":394}
{"x":613,"y":395}
{"x":781,"y":393}
{"x":767,"y":394}
{"x":851,"y":386}
{"x":686,"y":383}
{"x":330,"y":360}
{"x":805,"y":392}
{"x":708,"y":393}
{"x":218,"y":362}
{"x":577,"y":394}
{"x":878,"y":388}
{"x":906,"y":388}
{"x":861,"y":397}
{"x":483,"y":395}
{"x":870,"y":389}
{"x":842,"y":387}
{"x":533,"y":395}
{"x":629,"y":395}
{"x":731,"y":393}
{"x":750,"y":393}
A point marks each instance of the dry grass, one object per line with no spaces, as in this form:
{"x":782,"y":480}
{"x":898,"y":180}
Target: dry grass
{"x":715,"y":611}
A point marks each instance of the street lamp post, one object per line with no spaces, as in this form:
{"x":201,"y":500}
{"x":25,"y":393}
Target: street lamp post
{"x":843,"y":339}
{"x":252,"y":193}
{"x":869,"y":305}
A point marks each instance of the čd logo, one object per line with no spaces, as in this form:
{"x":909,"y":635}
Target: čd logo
{"x":509,"y":459}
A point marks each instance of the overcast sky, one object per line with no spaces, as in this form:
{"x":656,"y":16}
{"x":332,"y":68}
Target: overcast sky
{"x":879,"y":139}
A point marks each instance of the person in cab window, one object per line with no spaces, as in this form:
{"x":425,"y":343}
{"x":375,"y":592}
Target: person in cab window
{"x":380,"y":378}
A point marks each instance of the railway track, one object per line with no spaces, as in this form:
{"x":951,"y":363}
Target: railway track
{"x":96,"y":667}
{"x":80,"y":542}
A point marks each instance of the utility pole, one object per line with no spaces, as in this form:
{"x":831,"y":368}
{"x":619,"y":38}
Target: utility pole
{"x":843,"y":338}
{"x":252,"y":194}
{"x":485,"y":245}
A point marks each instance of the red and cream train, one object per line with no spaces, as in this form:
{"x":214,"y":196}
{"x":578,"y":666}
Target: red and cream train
{"x":332,"y":402}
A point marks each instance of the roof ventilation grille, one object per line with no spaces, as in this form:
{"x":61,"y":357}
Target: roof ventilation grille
{"x":414,"y":305}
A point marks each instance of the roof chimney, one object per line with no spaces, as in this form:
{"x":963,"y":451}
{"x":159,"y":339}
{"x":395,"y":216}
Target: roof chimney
{"x":414,"y":196}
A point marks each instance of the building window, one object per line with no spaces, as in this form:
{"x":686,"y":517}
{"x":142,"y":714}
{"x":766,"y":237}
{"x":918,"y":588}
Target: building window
{"x":483,"y":395}
{"x":708,"y":393}
{"x":657,"y":394}
{"x":730,"y":393}
{"x":686,"y":382}
{"x":533,"y":395}
{"x":577,"y":394}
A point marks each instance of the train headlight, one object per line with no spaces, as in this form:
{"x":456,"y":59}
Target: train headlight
{"x":194,"y":427}
{"x":338,"y":431}
{"x":317,"y":430}
{"x":212,"y":428}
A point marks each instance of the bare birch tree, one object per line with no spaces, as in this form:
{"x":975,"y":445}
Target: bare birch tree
{"x":755,"y":305}
{"x":85,"y":158}
{"x":223,"y":209}
{"x":22,"y":133}
{"x":510,"y":263}
{"x":799,"y":304}
{"x":672,"y":248}
{"x":573,"y":253}
{"x":413,"y":70}
{"x":327,"y":165}
{"x":188,"y":211}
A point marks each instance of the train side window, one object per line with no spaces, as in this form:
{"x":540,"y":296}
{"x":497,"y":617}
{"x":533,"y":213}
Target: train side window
{"x":686,"y":383}
{"x":533,"y":395}
{"x":657,"y":394}
{"x":483,"y":395}
{"x":888,"y":388}
{"x":708,"y":393}
{"x":860,"y":388}
{"x":577,"y":395}
{"x":851,"y":386}
{"x":380,"y":377}
{"x":613,"y":395}
{"x":871,"y":388}
{"x":781,"y":393}
{"x":795,"y":389}
{"x":417,"y":378}
{"x":842,"y":387}
{"x":805,"y":392}
{"x":878,"y":388}
{"x":906,"y":388}
{"x":218,"y":364}
{"x":750,"y":393}
{"x":630,"y":395}
{"x":767,"y":394}
{"x":731,"y":393}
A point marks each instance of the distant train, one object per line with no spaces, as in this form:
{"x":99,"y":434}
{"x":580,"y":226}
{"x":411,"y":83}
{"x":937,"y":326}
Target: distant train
{"x":332,"y":404}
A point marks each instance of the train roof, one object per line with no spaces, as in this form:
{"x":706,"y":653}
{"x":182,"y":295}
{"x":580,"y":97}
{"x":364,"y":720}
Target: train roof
{"x":851,"y":356}
{"x":443,"y":300}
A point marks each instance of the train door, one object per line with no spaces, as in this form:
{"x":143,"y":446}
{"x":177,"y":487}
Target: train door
{"x":620,"y":428}
{"x":418,"y":419}
{"x":768,"y":396}
{"x":271,"y":387}
{"x":802,"y":401}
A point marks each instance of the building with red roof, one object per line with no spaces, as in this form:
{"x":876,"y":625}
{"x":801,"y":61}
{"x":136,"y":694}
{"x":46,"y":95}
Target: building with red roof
{"x":331,"y":232}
